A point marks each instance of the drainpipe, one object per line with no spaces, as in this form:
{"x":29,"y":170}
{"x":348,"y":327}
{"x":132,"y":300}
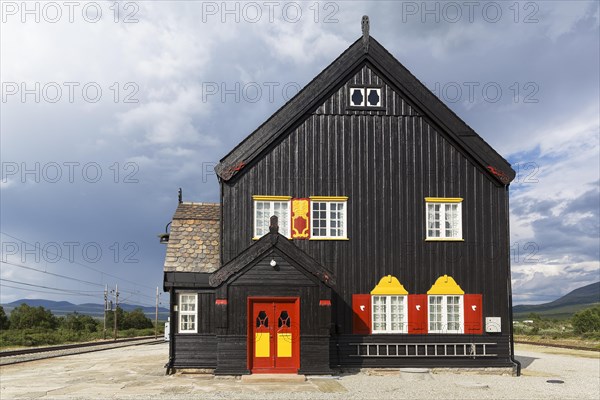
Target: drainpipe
{"x":169,"y":364}
{"x":512,"y":340}
{"x":516,"y":362}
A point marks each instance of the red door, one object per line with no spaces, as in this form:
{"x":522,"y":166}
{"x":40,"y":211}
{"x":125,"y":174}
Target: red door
{"x":274,"y":335}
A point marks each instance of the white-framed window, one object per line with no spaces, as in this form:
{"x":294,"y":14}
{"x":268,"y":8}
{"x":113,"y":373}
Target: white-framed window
{"x":443,"y":218}
{"x":365,"y":97}
{"x":188,"y":313}
{"x":389,"y":314}
{"x":328,"y":218}
{"x":446,"y":313}
{"x":267,"y":206}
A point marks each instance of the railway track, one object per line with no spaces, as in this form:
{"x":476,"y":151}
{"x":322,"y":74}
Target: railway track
{"x":560,"y":346}
{"x":32,"y":354}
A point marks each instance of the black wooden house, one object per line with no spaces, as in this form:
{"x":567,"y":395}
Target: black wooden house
{"x":390,"y":246}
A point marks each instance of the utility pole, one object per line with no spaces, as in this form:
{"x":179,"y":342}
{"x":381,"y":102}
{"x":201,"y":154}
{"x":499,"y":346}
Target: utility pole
{"x":105,"y":307}
{"x":116,"y":307}
{"x":156,"y":317}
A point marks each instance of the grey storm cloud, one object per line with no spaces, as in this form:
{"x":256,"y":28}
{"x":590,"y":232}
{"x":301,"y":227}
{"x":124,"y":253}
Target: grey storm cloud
{"x":197,"y":83}
{"x":573,"y":231}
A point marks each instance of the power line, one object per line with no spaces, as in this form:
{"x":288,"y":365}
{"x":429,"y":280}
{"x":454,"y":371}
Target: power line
{"x":73,"y":279}
{"x":60,"y":291}
{"x":78,"y":263}
{"x":51,"y":288}
{"x":43,"y":291}
{"x":51,"y":273}
{"x":71,"y":294}
{"x":136,"y":294}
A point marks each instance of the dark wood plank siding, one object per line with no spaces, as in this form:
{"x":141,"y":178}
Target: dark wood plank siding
{"x":394,"y":104}
{"x":195,"y":351}
{"x":386,"y":162}
{"x":343,"y":351}
{"x":206,"y":307}
{"x":283,"y":274}
{"x":314,"y":355}
{"x":232,"y":353}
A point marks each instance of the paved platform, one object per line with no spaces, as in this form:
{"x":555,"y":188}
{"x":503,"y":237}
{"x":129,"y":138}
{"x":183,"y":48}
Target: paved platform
{"x":138,"y":373}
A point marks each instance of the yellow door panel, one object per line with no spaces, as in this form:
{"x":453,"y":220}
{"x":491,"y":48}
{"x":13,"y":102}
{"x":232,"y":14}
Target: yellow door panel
{"x":261,"y":345}
{"x":284,"y":345}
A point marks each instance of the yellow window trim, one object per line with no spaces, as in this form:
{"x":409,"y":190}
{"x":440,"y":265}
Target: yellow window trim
{"x":389,"y":285}
{"x":329,"y":198}
{"x":443,"y":199}
{"x":271,"y":198}
{"x":445,"y":285}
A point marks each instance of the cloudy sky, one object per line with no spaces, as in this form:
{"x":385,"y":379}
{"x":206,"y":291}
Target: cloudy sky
{"x":108,"y":108}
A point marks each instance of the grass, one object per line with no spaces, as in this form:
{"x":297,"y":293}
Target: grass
{"x":554,"y":332}
{"x":591,"y":344}
{"x":34,"y":337}
{"x":559,"y":313}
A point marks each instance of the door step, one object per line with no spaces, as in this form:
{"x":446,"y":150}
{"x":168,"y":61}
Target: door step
{"x":274,"y":378}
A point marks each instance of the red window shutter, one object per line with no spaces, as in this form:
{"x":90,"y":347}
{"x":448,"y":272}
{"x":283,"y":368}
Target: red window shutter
{"x":300,"y":218}
{"x":473,"y":314}
{"x":417,"y":313}
{"x":361,"y":318}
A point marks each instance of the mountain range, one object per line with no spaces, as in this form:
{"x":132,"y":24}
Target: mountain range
{"x":92,"y":309}
{"x":564,"y":307}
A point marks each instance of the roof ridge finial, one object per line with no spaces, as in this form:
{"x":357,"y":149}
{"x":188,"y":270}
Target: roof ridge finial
{"x":273,"y":224}
{"x":365,"y":31}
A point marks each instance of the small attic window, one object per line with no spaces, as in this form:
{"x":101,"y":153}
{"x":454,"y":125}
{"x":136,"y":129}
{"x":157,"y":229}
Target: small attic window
{"x":373,"y":97}
{"x":365,"y":97}
{"x":357,"y":97}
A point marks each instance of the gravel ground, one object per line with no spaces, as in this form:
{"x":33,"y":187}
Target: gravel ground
{"x":7,"y":360}
{"x":137,"y":373}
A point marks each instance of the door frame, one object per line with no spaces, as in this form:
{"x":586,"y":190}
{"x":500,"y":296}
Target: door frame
{"x":249,"y":338}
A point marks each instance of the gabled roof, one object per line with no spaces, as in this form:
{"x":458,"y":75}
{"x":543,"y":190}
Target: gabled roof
{"x":334,"y":76}
{"x":263,"y":246}
{"x":194,"y":238}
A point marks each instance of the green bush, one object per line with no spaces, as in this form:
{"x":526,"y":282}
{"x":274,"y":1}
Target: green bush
{"x":135,"y":319}
{"x":4,"y":323}
{"x":40,"y":337}
{"x":77,"y":323}
{"x":36,"y":326}
{"x":26,"y":317}
{"x":587,"y":320}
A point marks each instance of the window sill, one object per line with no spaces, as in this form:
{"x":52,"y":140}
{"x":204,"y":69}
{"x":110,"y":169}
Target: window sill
{"x":444,"y":240}
{"x":325,"y":238}
{"x":257,"y":237}
{"x":366,"y":108}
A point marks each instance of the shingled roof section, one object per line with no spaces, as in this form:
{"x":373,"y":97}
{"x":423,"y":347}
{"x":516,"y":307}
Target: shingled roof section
{"x":194,"y":239}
